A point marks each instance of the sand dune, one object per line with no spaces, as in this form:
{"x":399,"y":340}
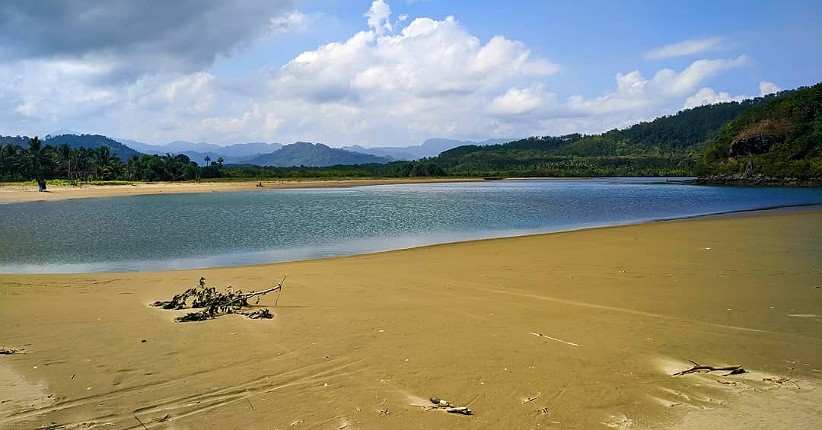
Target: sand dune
{"x":579,"y":330}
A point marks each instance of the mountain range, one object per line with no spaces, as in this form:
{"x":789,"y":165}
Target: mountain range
{"x":301,"y":153}
{"x":429,"y":148}
{"x":255,"y":153}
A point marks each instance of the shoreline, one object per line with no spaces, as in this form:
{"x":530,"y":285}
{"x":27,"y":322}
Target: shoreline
{"x":616,"y":312}
{"x":766,"y":211}
{"x":24,"y":193}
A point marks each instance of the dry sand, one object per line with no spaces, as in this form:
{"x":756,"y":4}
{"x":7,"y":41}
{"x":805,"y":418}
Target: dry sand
{"x":28,"y":193}
{"x":361,"y":342}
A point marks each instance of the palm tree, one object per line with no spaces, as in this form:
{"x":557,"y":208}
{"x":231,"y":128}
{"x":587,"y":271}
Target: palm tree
{"x":36,"y":157}
{"x":131,"y":167}
{"x":64,"y":155}
{"x":109,"y":167}
{"x":207,"y":160}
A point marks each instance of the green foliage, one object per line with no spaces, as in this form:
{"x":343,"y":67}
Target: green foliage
{"x":780,"y":139}
{"x":97,"y":165}
{"x":667,"y":146}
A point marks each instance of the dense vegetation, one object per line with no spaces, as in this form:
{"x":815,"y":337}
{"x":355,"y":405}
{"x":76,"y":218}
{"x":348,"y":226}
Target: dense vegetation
{"x":780,"y":139}
{"x":38,"y":161}
{"x":775,"y":136}
{"x":667,"y":146}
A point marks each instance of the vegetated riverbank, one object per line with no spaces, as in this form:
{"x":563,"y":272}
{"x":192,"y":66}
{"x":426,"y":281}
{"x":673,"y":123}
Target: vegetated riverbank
{"x":580,"y":330}
{"x":756,"y":181}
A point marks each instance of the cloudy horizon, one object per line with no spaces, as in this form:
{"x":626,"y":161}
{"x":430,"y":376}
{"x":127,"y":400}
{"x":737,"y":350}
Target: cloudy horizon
{"x":385,"y":73}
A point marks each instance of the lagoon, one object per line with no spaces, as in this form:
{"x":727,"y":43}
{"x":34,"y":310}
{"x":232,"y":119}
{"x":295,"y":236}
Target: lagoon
{"x":186,"y":231}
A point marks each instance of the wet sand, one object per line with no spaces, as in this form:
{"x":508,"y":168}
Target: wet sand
{"x":28,"y":193}
{"x":579,"y":330}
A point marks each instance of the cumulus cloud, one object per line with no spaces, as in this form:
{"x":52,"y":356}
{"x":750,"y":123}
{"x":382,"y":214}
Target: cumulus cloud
{"x":520,"y":101}
{"x":428,"y":78}
{"x":766,"y":88}
{"x":707,"y":96}
{"x":686,"y":47}
{"x":378,"y":17}
{"x":389,"y":84}
{"x":636,"y":93}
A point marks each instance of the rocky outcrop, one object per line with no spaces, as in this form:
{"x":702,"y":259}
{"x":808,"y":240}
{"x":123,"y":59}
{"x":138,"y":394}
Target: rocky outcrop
{"x":759,"y":138}
{"x":754,"y":145}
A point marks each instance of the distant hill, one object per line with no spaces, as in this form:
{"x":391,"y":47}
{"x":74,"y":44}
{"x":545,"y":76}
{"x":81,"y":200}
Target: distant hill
{"x":21,"y":141}
{"x":313,"y":155}
{"x":92,"y":141}
{"x":429,"y":148}
{"x":236,"y":153}
{"x":777,"y":140}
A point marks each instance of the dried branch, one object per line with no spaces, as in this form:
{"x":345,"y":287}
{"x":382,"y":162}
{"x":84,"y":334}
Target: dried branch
{"x":450,"y":408}
{"x":732,"y":370}
{"x":214,"y":303}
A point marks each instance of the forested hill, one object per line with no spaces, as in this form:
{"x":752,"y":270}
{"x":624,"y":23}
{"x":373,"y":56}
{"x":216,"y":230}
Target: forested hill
{"x":668,"y":146}
{"x":776,"y":141}
{"x":92,"y":141}
{"x":313,"y":155}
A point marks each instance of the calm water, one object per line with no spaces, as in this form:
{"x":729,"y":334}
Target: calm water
{"x":223,"y":229}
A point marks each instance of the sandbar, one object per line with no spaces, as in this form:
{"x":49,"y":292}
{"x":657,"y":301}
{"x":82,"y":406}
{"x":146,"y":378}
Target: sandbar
{"x":16,"y":193}
{"x":576,"y":330}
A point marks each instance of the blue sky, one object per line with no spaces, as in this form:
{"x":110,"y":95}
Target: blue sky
{"x":385,"y":73}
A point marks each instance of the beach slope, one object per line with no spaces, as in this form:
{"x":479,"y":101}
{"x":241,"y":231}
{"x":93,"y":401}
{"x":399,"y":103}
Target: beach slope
{"x":578,"y":330}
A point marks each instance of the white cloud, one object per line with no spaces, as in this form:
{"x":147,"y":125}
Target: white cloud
{"x":707,"y":96}
{"x":518,"y":101}
{"x":634,"y":93}
{"x":57,"y":88}
{"x":766,"y":88}
{"x":386,"y":85}
{"x":431,"y":78}
{"x":378,"y":17}
{"x":687,"y":47}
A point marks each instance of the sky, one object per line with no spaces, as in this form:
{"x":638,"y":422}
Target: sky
{"x":387,"y":72}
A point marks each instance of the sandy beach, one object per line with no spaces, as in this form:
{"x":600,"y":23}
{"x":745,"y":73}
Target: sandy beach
{"x":577,"y":330}
{"x":28,"y":193}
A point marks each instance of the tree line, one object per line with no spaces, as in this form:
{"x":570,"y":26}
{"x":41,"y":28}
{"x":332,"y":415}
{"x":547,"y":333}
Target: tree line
{"x":44,"y":162}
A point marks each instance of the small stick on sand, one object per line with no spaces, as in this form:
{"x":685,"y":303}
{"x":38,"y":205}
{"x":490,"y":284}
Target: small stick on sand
{"x":279,"y":291}
{"x":555,"y":339}
{"x":732,"y":370}
{"x":531,"y":399}
{"x":138,"y":420}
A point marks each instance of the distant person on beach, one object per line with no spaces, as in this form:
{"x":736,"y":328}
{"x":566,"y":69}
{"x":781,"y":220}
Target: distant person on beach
{"x":41,"y":185}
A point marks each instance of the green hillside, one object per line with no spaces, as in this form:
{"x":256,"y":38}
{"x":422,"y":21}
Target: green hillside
{"x":668,"y":146}
{"x":780,"y":139}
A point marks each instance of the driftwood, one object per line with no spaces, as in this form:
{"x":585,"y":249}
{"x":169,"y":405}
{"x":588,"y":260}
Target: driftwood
{"x":450,"y":408}
{"x":214,"y":303}
{"x":732,"y":370}
{"x":531,"y":399}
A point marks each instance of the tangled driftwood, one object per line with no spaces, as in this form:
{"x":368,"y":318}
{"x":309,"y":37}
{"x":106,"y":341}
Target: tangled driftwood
{"x":450,"y":408}
{"x":214,"y":303}
{"x":732,"y":370}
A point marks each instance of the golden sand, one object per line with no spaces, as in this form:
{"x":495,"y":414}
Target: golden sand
{"x":29,"y":193}
{"x":578,"y":330}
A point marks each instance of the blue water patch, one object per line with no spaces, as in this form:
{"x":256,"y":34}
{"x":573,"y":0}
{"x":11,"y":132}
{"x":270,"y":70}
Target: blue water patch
{"x":183,"y":231}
